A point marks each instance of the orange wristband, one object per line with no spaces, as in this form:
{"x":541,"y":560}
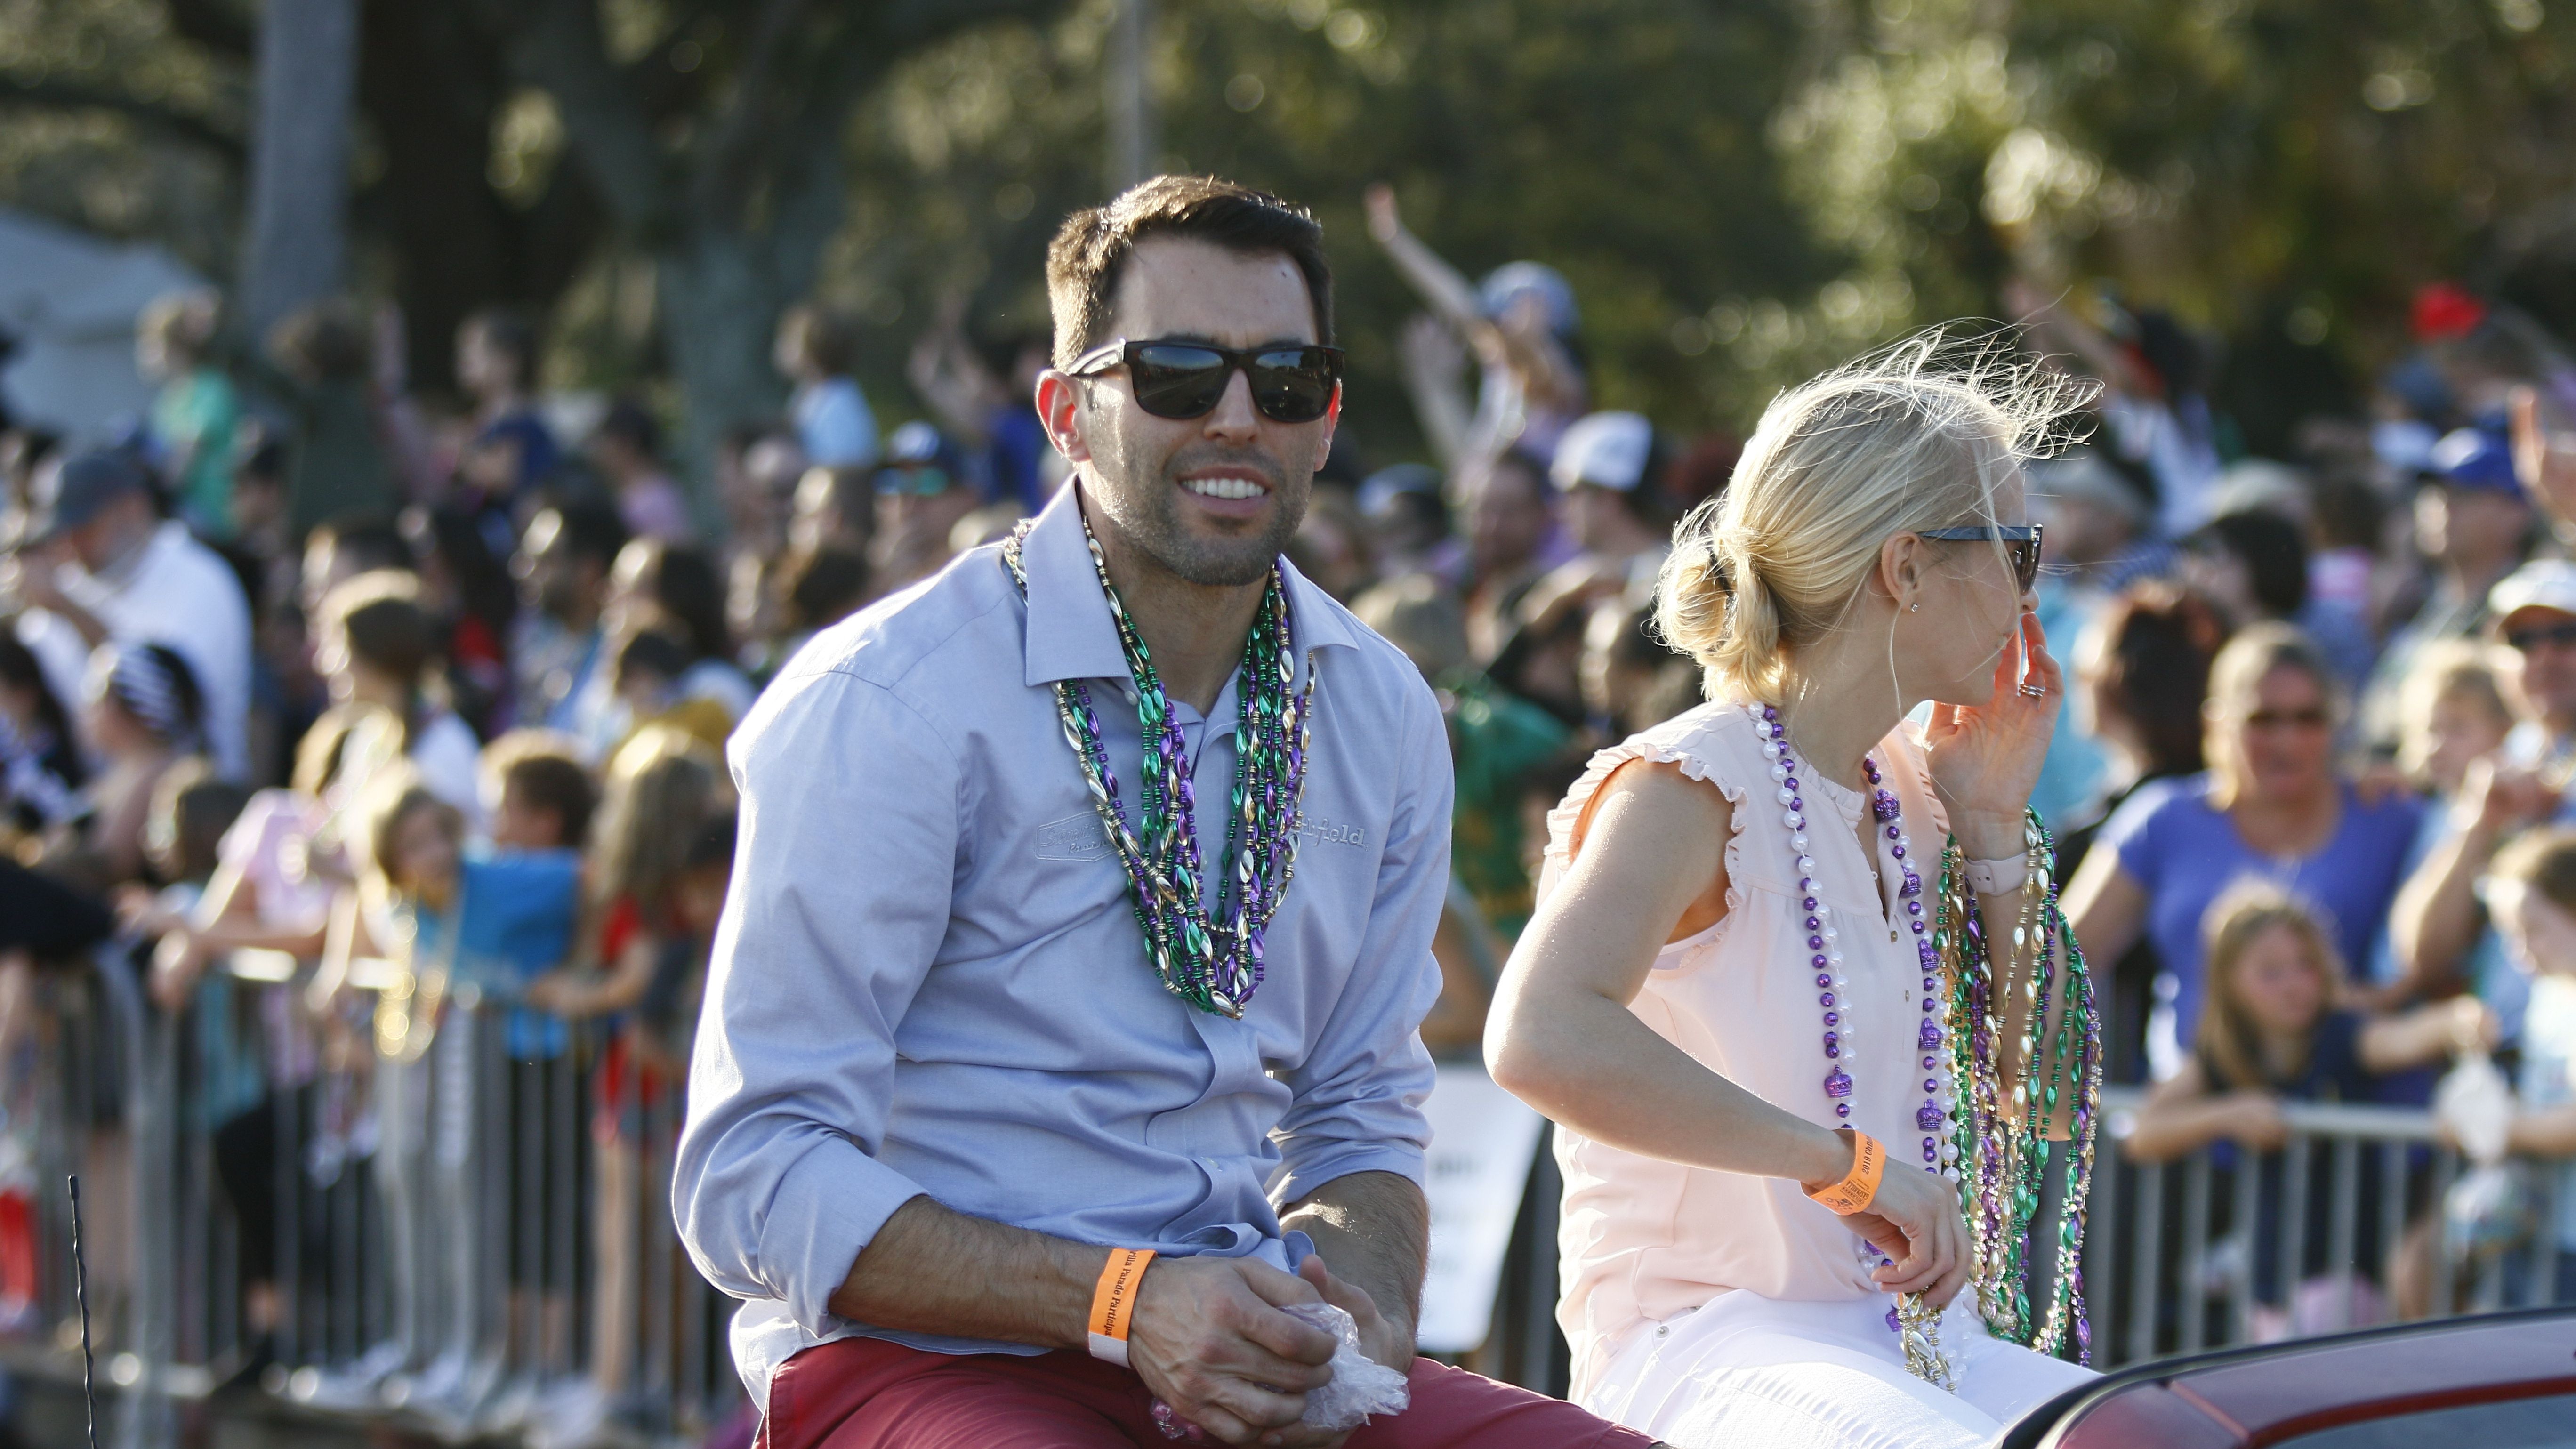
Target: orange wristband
{"x":1113,"y":1302}
{"x":1860,"y":1185}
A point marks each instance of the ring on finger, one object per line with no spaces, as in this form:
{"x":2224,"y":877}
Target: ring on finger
{"x":2033,"y":691}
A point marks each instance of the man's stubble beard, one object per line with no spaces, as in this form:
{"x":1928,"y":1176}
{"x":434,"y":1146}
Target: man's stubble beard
{"x":1147,"y":511}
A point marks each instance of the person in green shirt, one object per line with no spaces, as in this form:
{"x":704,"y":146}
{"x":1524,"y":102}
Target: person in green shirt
{"x":196,"y":412}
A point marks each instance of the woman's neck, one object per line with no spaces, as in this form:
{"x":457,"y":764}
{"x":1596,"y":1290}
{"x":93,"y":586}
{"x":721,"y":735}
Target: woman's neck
{"x":1834,"y":728}
{"x":2305,"y":807}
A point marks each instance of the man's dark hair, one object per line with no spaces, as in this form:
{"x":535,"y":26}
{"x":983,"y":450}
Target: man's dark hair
{"x":2274,"y":555}
{"x":508,"y":330}
{"x":824,"y":587}
{"x":652,"y":652}
{"x":592,"y":530}
{"x":362,"y":543}
{"x":1084,"y":261}
{"x":631,"y":424}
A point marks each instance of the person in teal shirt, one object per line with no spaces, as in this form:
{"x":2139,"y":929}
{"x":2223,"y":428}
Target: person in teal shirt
{"x":197,"y":411}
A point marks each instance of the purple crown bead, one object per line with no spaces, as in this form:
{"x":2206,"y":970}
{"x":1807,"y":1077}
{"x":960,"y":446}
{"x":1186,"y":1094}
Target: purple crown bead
{"x":1837,"y":1084}
{"x":1928,"y":1118}
{"x":1930,"y":1039}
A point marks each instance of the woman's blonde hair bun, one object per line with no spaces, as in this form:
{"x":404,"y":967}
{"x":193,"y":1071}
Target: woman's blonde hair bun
{"x":1915,"y":435}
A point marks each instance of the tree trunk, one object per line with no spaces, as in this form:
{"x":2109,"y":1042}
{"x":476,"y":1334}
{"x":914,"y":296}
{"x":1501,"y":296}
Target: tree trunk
{"x":719,"y":299}
{"x":299,"y":176}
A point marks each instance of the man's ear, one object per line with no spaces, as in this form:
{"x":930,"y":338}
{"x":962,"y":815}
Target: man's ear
{"x":1332,"y":421}
{"x":1059,"y":401}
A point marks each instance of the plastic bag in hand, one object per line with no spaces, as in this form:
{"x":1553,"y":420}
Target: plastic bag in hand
{"x":2477,"y":1105}
{"x":1361,"y":1386}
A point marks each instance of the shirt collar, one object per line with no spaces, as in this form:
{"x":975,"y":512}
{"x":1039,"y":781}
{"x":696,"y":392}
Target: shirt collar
{"x":1070,"y":633}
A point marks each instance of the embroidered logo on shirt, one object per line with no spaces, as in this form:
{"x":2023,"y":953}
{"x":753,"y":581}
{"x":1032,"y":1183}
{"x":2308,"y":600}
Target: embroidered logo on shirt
{"x":1075,"y":837}
{"x":1080,"y":838}
{"x":1326,"y":832}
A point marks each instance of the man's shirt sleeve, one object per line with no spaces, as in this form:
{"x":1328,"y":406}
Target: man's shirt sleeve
{"x":1360,"y":1090}
{"x":840,"y":898}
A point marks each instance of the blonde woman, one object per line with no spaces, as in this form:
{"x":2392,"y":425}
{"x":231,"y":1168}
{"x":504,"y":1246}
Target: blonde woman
{"x":1724,"y":1011}
{"x":2273,"y":806}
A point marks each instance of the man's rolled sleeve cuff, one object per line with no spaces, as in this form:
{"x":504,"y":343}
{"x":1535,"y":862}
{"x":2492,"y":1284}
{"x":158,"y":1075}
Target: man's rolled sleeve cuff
{"x":828,"y":1207}
{"x":1309,"y":1171}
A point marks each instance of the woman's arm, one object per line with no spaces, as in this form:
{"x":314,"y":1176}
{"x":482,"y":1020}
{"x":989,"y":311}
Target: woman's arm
{"x":1561,"y":1036}
{"x":2105,"y":907}
{"x":2549,"y":1132}
{"x":2182,"y":1115}
{"x":2437,"y":919}
{"x":2426,"y":1034}
{"x":572,"y":992}
{"x":1441,"y":285}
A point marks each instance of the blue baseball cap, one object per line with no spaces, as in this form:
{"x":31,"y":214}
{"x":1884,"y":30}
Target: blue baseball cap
{"x":2474,"y":458}
{"x":79,"y":490}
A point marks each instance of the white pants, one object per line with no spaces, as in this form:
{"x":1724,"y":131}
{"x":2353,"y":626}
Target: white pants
{"x":1744,"y":1369}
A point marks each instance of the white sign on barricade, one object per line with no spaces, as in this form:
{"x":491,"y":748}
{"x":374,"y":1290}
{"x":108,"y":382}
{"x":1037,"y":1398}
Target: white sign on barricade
{"x":1483,"y":1140}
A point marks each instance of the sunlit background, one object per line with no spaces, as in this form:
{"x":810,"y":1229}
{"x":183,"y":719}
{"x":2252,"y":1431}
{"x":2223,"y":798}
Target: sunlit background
{"x":1737,"y":190}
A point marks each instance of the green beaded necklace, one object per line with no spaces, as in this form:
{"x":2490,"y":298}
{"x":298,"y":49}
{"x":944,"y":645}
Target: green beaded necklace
{"x":1213,"y":961}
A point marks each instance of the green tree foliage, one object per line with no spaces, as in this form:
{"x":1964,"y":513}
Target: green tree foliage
{"x":1740,"y":190}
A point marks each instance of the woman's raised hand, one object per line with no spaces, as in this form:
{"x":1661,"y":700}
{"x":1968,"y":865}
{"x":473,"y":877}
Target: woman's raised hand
{"x":1985,"y":758}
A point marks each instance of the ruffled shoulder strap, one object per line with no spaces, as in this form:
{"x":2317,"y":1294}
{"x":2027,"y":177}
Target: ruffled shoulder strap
{"x":1714,"y":742}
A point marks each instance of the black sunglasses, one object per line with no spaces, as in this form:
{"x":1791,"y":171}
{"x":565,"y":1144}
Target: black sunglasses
{"x":1184,"y":380}
{"x":2024,"y":538}
{"x":2526,"y":640}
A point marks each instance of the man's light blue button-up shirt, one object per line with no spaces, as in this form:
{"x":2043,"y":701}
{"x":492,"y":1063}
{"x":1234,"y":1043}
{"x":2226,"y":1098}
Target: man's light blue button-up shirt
{"x":929,"y":979}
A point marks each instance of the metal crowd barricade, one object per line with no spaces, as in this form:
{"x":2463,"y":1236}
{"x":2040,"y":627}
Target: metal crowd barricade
{"x":2224,"y":1246}
{"x":462,"y":1270}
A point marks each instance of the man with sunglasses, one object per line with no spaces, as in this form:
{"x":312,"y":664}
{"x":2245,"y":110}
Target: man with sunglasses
{"x":1062,"y":1030}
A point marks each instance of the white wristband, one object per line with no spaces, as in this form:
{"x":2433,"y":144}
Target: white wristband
{"x":1999,"y":877}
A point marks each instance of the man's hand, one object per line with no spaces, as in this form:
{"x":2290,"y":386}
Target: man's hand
{"x":38,"y":587}
{"x":1385,"y":1341}
{"x":1209,"y":1339}
{"x":2500,"y":798}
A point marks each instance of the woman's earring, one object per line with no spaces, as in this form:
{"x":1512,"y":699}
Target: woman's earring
{"x":1914,"y":608}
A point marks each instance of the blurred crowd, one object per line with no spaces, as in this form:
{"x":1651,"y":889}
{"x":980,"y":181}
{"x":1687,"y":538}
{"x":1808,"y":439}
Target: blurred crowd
{"x":425,"y":690}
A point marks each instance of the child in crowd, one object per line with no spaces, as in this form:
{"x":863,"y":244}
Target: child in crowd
{"x":2274,"y":1029}
{"x":193,"y":813}
{"x":390,"y":929}
{"x":145,"y":715}
{"x":378,"y":646}
{"x":2451,"y":712}
{"x":649,"y":670}
{"x":517,"y":921}
{"x":2531,"y":889}
{"x":655,"y":892}
{"x":40,"y":761}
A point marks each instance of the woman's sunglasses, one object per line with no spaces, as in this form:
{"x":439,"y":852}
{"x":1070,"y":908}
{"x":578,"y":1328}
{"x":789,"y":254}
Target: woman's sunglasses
{"x":2022,"y":537}
{"x":1184,"y":380}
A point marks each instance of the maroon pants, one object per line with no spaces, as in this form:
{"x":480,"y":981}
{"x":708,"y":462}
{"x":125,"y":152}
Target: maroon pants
{"x":866,"y":1393}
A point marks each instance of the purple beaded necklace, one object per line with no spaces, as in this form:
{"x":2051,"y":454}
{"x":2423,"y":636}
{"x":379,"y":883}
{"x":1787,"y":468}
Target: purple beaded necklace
{"x":1826,"y":956}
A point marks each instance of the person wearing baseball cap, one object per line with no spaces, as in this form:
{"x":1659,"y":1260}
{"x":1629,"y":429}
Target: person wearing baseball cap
{"x":2474,"y":523}
{"x":1605,"y":469}
{"x":2438,"y":927}
{"x":98,"y":564}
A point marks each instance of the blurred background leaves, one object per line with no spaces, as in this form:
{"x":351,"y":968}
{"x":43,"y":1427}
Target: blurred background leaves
{"x":1740,"y":190}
